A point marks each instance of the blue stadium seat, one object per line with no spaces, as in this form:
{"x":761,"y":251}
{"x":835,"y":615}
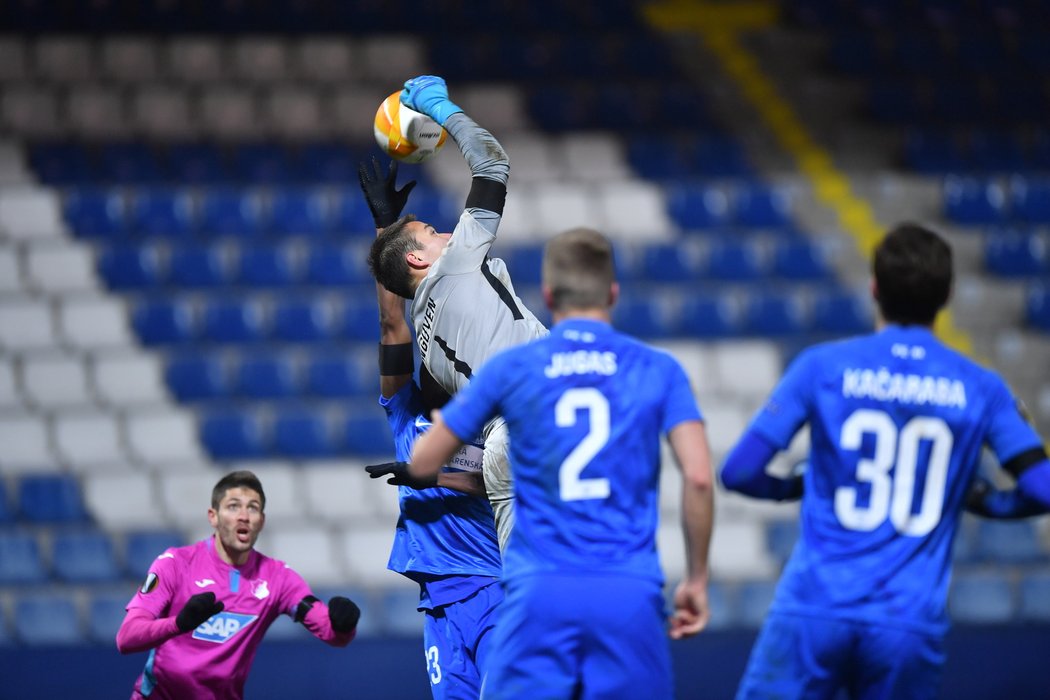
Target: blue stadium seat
{"x":842,"y":313}
{"x":233,"y":433}
{"x":299,"y":212}
{"x":232,"y":320}
{"x":21,"y":562}
{"x":229,"y":211}
{"x":657,"y":158}
{"x":1037,"y":307}
{"x":1030,"y":200}
{"x":760,"y":205}
{"x":51,"y":499}
{"x":1014,"y":542}
{"x":698,"y":206}
{"x":163,"y":211}
{"x":668,"y":262}
{"x":719,"y":156}
{"x":141,"y":547}
{"x":933,"y":152}
{"x":645,"y":317}
{"x":84,"y":557}
{"x":781,"y":536}
{"x":329,"y":163}
{"x":266,"y":376}
{"x":974,"y":201}
{"x":1016,"y":254}
{"x":62,"y":163}
{"x":337,"y":265}
{"x":106,"y":612}
{"x":753,"y":601}
{"x":708,"y":317}
{"x":981,"y":598}
{"x":774,"y":314}
{"x":303,"y":433}
{"x":197,"y":377}
{"x":525,"y":264}
{"x":197,"y":267}
{"x":337,"y":376}
{"x":262,"y":164}
{"x":360,"y":320}
{"x":132,"y":162}
{"x":93,"y":212}
{"x":131,"y":267}
{"x":400,"y":615}
{"x":47,"y":619}
{"x":720,"y":603}
{"x":266,"y":266}
{"x":1035,"y":597}
{"x":305,"y":320}
{"x":7,"y":508}
{"x":197,"y":164}
{"x":164,"y":322}
{"x":735,"y":261}
{"x":800,"y":260}
{"x":351,"y":214}
{"x":366,"y":432}
{"x":996,"y":152}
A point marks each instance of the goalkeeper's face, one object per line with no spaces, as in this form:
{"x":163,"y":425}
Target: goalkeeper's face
{"x":431,"y":243}
{"x":238,"y":521}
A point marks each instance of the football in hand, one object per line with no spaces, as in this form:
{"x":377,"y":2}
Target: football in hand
{"x":405,"y":134}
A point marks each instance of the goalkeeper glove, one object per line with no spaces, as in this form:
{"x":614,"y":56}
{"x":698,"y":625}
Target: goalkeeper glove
{"x":429,"y":94}
{"x":399,"y":476}
{"x":196,"y":610}
{"x":343,"y":614}
{"x":385,"y":201}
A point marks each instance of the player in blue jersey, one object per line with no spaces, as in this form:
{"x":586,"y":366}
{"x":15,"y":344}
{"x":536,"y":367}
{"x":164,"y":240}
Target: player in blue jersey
{"x":446,"y":535}
{"x":585,"y":407}
{"x":897,"y":425}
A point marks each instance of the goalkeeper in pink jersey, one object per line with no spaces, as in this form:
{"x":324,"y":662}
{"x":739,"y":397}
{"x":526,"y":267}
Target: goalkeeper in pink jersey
{"x":204,"y":608}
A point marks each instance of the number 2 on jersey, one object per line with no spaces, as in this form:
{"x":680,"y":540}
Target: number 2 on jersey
{"x":596,"y":407}
{"x":897,"y":451}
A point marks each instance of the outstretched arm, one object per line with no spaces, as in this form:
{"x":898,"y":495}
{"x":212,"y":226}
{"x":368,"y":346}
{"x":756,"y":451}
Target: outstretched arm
{"x":745,"y":471}
{"x":989,"y":502}
{"x":334,"y":623}
{"x":689,"y":444}
{"x":140,"y":630}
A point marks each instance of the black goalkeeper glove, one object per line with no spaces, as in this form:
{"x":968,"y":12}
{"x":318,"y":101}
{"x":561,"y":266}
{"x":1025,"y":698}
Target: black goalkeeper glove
{"x":385,"y":201}
{"x":343,"y":614}
{"x":399,"y":476}
{"x":196,"y":610}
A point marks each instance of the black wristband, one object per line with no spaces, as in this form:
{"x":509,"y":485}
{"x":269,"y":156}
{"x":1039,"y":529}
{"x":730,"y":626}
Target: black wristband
{"x":487,"y":194}
{"x":304,"y":607}
{"x":1018,"y":464}
{"x":395,"y":360}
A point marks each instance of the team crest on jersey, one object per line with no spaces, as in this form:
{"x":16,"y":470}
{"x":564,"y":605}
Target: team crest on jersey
{"x":222,"y":627}
{"x":150,"y":583}
{"x":260,"y":589}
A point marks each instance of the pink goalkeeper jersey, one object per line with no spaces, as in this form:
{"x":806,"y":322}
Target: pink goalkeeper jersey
{"x":213,"y":660}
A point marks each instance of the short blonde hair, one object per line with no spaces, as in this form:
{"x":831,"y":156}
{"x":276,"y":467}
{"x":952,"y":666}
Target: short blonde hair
{"x":579,"y":269}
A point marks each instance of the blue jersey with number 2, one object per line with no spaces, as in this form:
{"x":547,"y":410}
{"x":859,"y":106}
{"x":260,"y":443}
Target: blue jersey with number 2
{"x":585,"y":408}
{"x":897,"y":424}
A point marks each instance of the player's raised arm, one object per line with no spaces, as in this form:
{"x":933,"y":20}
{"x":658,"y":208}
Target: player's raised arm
{"x":689,"y":444}
{"x":488,"y":162}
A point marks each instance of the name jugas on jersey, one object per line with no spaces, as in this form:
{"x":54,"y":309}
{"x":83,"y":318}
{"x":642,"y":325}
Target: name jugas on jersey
{"x":581,"y":362}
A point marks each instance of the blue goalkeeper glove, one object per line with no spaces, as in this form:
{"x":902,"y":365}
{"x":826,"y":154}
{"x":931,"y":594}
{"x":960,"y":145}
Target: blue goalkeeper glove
{"x":429,"y":94}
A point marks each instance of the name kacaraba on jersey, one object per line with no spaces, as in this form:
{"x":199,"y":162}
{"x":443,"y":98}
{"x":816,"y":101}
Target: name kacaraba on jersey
{"x":918,"y":389}
{"x":581,"y":362}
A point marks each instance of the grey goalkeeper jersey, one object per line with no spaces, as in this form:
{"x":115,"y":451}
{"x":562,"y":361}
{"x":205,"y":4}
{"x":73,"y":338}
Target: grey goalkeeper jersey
{"x":466,"y":310}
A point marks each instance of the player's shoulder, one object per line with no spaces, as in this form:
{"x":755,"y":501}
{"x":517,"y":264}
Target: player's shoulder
{"x":178,"y":557}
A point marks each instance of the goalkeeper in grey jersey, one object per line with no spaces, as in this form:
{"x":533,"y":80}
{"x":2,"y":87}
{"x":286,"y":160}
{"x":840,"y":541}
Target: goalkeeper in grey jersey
{"x":464,"y":308}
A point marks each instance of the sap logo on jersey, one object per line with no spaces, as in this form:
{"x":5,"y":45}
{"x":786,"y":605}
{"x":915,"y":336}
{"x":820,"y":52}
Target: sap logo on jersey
{"x":222,"y":627}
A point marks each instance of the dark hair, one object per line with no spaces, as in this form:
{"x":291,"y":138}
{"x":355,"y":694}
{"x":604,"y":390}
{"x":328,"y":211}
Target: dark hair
{"x":386,"y":258}
{"x":239,"y":479}
{"x":913,"y":275}
{"x":579,"y":270}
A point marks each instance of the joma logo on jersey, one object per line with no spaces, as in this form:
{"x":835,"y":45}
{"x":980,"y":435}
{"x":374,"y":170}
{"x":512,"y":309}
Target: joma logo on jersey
{"x":222,"y":627}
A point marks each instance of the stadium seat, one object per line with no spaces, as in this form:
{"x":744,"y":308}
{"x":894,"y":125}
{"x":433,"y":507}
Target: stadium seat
{"x":842,"y":313}
{"x":10,"y":271}
{"x":47,"y":619}
{"x":84,"y":557}
{"x":359,"y":320}
{"x":106,"y":611}
{"x":231,"y":212}
{"x":197,"y":164}
{"x":31,"y":213}
{"x":142,"y":547}
{"x":26,"y":325}
{"x":164,"y":322}
{"x":266,"y":266}
{"x":781,"y":536}
{"x":933,"y":152}
{"x":351,"y":214}
{"x":197,"y":267}
{"x":336,"y":265}
{"x":981,"y":598}
{"x":338,"y":376}
{"x":800,"y":260}
{"x":127,"y":268}
{"x":50,"y":499}
{"x":197,"y":377}
{"x":231,"y":320}
{"x":51,"y":381}
{"x":128,"y":378}
{"x":299,"y":212}
{"x":120,"y":500}
{"x":311,"y":552}
{"x":60,"y":163}
{"x":366,"y":549}
{"x":669,"y":262}
{"x":162,"y":437}
{"x":735,"y":261}
{"x":753,"y":601}
{"x":26,"y":445}
{"x":708,"y":317}
{"x":261,"y":163}
{"x":775,"y":315}
{"x":234,"y":434}
{"x":129,"y":162}
{"x":761,"y":206}
{"x":1037,"y":307}
{"x":266,"y":376}
{"x":94,"y":322}
{"x":366,"y":433}
{"x":96,"y":213}
{"x":1035,"y":597}
{"x":401,"y":618}
{"x":162,"y":211}
{"x":303,"y":433}
{"x":21,"y":562}
{"x":698,"y":206}
{"x":649,"y":317}
{"x":60,"y":268}
{"x":1014,"y":253}
{"x":87,"y":440}
{"x":304,"y":320}
{"x":1008,"y":542}
{"x":7,"y":506}
{"x":974,"y":201}
{"x":1030,"y":200}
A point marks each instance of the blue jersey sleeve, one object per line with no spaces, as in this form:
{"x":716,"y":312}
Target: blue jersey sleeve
{"x":787,"y":408}
{"x":1009,"y":433}
{"x":401,"y":411}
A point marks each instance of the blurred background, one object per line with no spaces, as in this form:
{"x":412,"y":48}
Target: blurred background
{"x":183,"y":288}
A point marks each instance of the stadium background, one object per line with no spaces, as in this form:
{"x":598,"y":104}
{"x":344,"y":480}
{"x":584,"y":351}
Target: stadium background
{"x":182,"y":285}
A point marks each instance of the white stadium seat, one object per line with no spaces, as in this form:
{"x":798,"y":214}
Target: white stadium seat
{"x":51,"y":381}
{"x":633,"y":211}
{"x":366,"y":550}
{"x":498,"y":107}
{"x":10,"y":398}
{"x":31,"y":111}
{"x":281,"y":481}
{"x":309,"y":550}
{"x":10,"y":270}
{"x":29,"y":212}
{"x":390,"y":60}
{"x":64,"y":59}
{"x":25,"y":445}
{"x":94,"y":322}
{"x":195,"y":59}
{"x":748,"y":369}
{"x":122,"y":500}
{"x":97,"y":111}
{"x":186,"y":496}
{"x":14,"y":59}
{"x":533,"y":158}
{"x":339,"y":492}
{"x":593,"y":156}
{"x":129,"y":379}
{"x":63,"y":267}
{"x":13,"y":169}
{"x":163,"y":437}
{"x":561,"y":206}
{"x":26,"y":325}
{"x":129,"y":59}
{"x":88,"y":441}
{"x":346,"y":108}
{"x":295,"y":113}
{"x":326,"y":60}
{"x":229,"y":111}
{"x":164,"y":112}
{"x":263,"y":60}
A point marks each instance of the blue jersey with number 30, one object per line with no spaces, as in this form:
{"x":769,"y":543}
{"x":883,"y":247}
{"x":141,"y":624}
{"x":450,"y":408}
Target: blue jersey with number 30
{"x":897,"y":426}
{"x":585,"y":408}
